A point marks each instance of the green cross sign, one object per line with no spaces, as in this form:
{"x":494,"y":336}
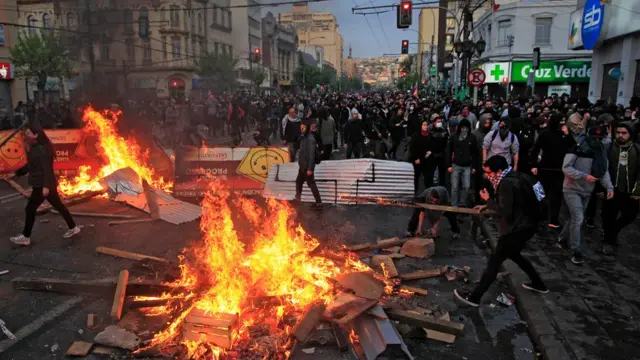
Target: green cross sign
{"x":497,"y":72}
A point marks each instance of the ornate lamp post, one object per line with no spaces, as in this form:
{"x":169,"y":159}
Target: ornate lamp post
{"x":466,"y":50}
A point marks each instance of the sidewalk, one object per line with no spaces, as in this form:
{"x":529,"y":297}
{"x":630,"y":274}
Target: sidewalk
{"x":592,"y":309}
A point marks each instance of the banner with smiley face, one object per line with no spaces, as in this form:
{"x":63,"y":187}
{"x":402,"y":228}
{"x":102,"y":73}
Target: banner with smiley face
{"x":243,"y":169}
{"x":12,"y":155}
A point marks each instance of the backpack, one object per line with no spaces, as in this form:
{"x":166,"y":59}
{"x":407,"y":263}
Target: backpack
{"x":495,"y":134}
{"x":534,"y":193}
{"x":599,"y":161}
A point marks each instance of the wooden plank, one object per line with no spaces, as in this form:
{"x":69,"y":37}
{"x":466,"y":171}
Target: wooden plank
{"x":104,"y":350}
{"x":198,"y":316}
{"x":353,"y":312}
{"x":362,"y":283}
{"x":207,"y":329}
{"x":98,"y":215}
{"x":79,"y":348}
{"x":419,"y":248}
{"x":120,"y":294}
{"x":384,"y":245}
{"x":380,"y":261}
{"x":417,"y":290}
{"x":308,"y":322}
{"x":218,"y":340}
{"x":127,"y":254}
{"x":426,"y":322}
{"x":440,"y":336}
{"x":131,"y":221}
{"x":424,"y":274}
{"x":91,"y":321}
{"x":454,"y":209}
{"x":95,"y":287}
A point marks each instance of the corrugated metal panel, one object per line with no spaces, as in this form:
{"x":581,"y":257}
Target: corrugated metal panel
{"x":172,"y":210}
{"x":336,"y":178}
{"x":378,"y":336}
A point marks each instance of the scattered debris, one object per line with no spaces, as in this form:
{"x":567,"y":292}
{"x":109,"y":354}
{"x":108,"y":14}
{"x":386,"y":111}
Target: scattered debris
{"x":126,"y":254}
{"x":117,"y":337}
{"x":506,"y":299}
{"x":103,"y":350}
{"x":54,"y":347}
{"x":118,"y":298}
{"x":426,"y":322}
{"x":527,"y":350}
{"x":420,"y":248}
{"x":385,"y":265}
{"x":309,"y":350}
{"x":91,"y":321}
{"x":4,"y":272}
{"x":216,"y":328}
{"x":363,"y":284}
{"x":415,"y":290}
{"x":6,"y":331}
{"x":424,"y":274}
{"x":308,"y":321}
{"x":440,"y":336}
{"x":79,"y":348}
{"x":131,"y":221}
{"x":80,"y":331}
{"x":98,"y":215}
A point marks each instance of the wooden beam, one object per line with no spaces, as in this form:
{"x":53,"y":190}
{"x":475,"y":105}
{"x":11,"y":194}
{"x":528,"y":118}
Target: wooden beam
{"x":416,"y":290}
{"x":454,"y":209}
{"x":104,"y":287}
{"x":378,"y":246}
{"x":424,"y":274}
{"x":98,"y":215}
{"x":308,"y":322}
{"x":120,"y":294}
{"x":127,"y":255}
{"x":72,"y":201}
{"x":426,"y":322}
{"x":131,"y":221}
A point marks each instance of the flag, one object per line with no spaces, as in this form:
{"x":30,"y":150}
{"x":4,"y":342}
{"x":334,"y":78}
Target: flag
{"x":414,"y":90}
{"x":494,"y":6}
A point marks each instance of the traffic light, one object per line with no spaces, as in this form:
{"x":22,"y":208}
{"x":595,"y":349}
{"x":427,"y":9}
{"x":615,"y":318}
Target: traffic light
{"x":405,"y":46}
{"x":256,"y":55}
{"x":404,"y":14}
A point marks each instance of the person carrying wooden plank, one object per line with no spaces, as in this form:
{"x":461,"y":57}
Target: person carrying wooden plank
{"x":436,"y":195}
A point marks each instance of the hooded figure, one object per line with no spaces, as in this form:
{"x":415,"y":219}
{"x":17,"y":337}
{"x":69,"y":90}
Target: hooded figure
{"x":354,"y":135}
{"x":502,"y":142}
{"x":462,"y":160}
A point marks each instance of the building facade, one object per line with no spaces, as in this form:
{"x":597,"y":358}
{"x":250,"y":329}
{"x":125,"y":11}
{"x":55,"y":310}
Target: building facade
{"x":428,"y":37}
{"x":316,"y":29}
{"x":511,"y":33}
{"x":612,"y":31}
{"x":350,"y":66}
{"x":12,"y":89}
{"x":279,"y":52}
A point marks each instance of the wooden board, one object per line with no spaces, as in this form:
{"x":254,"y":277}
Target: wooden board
{"x":131,"y":221}
{"x":354,"y":311}
{"x":207,"y":329}
{"x":127,"y":254}
{"x":377,"y":261}
{"x":420,"y":248}
{"x":79,"y":348}
{"x":104,"y":350}
{"x":197,"y":316}
{"x":215,"y":339}
{"x":95,"y":287}
{"x":454,"y":209}
{"x":417,"y":290}
{"x":440,"y":336}
{"x":362,"y":283}
{"x":120,"y":294}
{"x":427,"y":322}
{"x":424,"y":274}
{"x":91,"y":321}
{"x":380,"y":246}
{"x":308,"y":321}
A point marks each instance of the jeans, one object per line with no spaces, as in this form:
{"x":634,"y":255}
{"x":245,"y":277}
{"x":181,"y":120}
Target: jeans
{"x":574,"y":206}
{"x":293,"y":150}
{"x":509,"y":247}
{"x":35,"y":200}
{"x":311,"y":182}
{"x":621,"y":204}
{"x":460,"y":198}
{"x":326,"y":151}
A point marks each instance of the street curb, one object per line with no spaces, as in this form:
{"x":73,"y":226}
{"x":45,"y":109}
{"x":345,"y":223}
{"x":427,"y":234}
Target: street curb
{"x":531,"y":307}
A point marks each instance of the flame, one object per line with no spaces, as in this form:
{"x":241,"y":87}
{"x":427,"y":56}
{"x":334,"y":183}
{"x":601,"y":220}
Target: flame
{"x":225,"y":273}
{"x":117,"y":152}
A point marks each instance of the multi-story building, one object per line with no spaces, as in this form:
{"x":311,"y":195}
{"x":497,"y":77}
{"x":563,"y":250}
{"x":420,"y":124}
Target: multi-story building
{"x":279,"y":52}
{"x":350,"y":67}
{"x":12,"y":89}
{"x":247,"y":35}
{"x":428,"y":37}
{"x":512,"y":32}
{"x":611,"y":29}
{"x":316,"y":29}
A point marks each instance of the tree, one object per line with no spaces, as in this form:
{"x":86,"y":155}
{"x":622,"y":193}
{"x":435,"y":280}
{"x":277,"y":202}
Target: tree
{"x":407,"y":82}
{"x":307,"y":76}
{"x":39,"y":56}
{"x":257,"y":76}
{"x":217,"y":70}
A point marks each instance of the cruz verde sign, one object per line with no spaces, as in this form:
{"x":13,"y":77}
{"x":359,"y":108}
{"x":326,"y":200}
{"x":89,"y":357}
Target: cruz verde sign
{"x":552,"y":71}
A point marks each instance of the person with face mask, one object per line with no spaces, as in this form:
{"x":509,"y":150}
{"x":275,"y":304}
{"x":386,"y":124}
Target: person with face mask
{"x":624,"y":169}
{"x":462,"y":160}
{"x":397,"y":129}
{"x":438,"y":139}
{"x":291,"y":132}
{"x":437,"y":195}
{"x":419,"y":152}
{"x":502,"y":142}
{"x":467,"y":114}
{"x":307,"y":164}
{"x":40,"y":154}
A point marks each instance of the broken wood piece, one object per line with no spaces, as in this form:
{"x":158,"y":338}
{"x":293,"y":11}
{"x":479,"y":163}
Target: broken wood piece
{"x":420,"y":248}
{"x":127,"y":254}
{"x":79,"y":348}
{"x":356,"y":309}
{"x":98,"y":215}
{"x":131,"y":221}
{"x":4,"y":272}
{"x":454,"y":209}
{"x":104,"y":350}
{"x":379,"y":246}
{"x":219,"y":320}
{"x":416,"y":290}
{"x":120,"y":294}
{"x":104,"y":287}
{"x":363,"y":284}
{"x":424,"y":274}
{"x":209,"y":334}
{"x":141,"y":304}
{"x":385,"y":264}
{"x":440,"y":336}
{"x":359,"y":247}
{"x":91,"y":321}
{"x":308,"y":321}
{"x":342,"y":339}
{"x":426,"y":322}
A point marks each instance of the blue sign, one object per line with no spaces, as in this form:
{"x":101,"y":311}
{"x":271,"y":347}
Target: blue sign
{"x":592,"y":23}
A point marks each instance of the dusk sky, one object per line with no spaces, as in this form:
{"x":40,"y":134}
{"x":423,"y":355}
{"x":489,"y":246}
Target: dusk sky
{"x":356,"y":32}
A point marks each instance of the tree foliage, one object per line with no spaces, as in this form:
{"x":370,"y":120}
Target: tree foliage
{"x":218,"y":71}
{"x":407,"y":82}
{"x":41,"y":55}
{"x":257,"y":76}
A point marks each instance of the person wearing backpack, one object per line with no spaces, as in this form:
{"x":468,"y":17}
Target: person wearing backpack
{"x":583,"y":166}
{"x":624,"y":169}
{"x":307,"y":164}
{"x":516,"y":201}
{"x":502,"y":142}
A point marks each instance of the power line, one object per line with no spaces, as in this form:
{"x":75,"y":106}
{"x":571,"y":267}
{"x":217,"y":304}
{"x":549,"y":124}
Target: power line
{"x":381,"y":27}
{"x":370,"y":28}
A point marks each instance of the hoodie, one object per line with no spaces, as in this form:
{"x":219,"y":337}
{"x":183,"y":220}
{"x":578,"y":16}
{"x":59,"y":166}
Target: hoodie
{"x":576,"y":167}
{"x":463,"y":151}
{"x":553,"y":144}
{"x":354,"y":130}
{"x":290,"y":128}
{"x":623,"y":165}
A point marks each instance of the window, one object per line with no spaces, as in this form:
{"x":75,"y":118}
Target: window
{"x":503,"y":32}
{"x":128,"y":20}
{"x":146,"y":52}
{"x":214,"y":15}
{"x":164,"y":47}
{"x":174,"y":15}
{"x":46,"y":22}
{"x":31,"y":21}
{"x":143,"y":23}
{"x":72,"y":21}
{"x":200,"y":24}
{"x":488,"y":39}
{"x":131,"y":52}
{"x":543,"y":31}
{"x":104,"y":50}
{"x":186,"y":47}
{"x":175,"y":47}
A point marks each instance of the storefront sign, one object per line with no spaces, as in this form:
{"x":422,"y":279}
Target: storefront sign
{"x":496,"y":72}
{"x":553,"y":72}
{"x":242,"y":169}
{"x":592,"y":23}
{"x":559,"y":90}
{"x":575,"y":29}
{"x":6,"y":71}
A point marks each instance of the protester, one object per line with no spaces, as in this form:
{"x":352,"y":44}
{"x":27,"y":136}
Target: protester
{"x":307,"y":165}
{"x":437,"y":195}
{"x":419,"y":154}
{"x":438,"y":139}
{"x":327,"y":132}
{"x":291,"y":132}
{"x":43,"y":182}
{"x":502,"y":142}
{"x":462,"y":159}
{"x":354,"y":135}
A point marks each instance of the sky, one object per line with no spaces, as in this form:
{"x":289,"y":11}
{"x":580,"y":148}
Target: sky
{"x":365,"y":41}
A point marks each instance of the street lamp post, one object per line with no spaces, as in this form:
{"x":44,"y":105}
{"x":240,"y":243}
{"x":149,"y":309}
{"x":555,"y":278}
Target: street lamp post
{"x":466,"y":50}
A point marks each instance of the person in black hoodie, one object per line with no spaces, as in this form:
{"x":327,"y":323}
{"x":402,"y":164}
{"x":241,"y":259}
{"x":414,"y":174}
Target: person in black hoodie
{"x":354,"y":135}
{"x":418,"y":155}
{"x":307,"y":164}
{"x":291,"y":132}
{"x":438,"y":139}
{"x":43,"y":182}
{"x":462,"y":160}
{"x":554,"y":142}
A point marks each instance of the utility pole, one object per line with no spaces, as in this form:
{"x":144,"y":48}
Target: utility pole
{"x":431,"y":64}
{"x":92,"y":56}
{"x":467,"y":18}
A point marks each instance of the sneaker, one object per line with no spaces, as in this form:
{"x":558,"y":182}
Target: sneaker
{"x":71,"y":232}
{"x":577,"y":258}
{"x":21,"y":240}
{"x":463,"y":296}
{"x":562,"y":244}
{"x":554,"y":226}
{"x":539,"y":289}
{"x":589,"y":223}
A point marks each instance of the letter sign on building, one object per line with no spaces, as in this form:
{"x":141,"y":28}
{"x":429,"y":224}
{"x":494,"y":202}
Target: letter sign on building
{"x":592,"y":23}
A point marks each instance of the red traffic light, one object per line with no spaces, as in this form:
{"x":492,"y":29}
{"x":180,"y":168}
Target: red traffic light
{"x":405,"y":43}
{"x":406,"y":5}
{"x":257,"y":51}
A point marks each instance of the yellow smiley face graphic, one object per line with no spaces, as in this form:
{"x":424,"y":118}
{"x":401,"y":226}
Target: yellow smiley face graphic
{"x":13,"y":152}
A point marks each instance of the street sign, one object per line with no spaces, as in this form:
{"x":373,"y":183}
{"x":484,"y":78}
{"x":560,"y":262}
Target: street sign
{"x":476,"y":77}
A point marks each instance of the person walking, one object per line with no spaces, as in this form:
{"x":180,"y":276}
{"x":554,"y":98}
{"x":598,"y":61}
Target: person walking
{"x":43,"y":182}
{"x":462,"y":159}
{"x":354,"y":135}
{"x":291,"y":132}
{"x":503,"y":142}
{"x":418,"y":155}
{"x":307,"y":165}
{"x":516,"y":202}
{"x":327,"y":132}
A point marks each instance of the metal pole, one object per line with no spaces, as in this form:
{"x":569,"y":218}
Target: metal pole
{"x":92,"y":55}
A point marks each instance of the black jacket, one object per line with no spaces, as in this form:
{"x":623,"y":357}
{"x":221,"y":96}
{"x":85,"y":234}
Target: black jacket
{"x":307,"y":152}
{"x":510,"y":201}
{"x":463,"y":152}
{"x":353,"y":131}
{"x":39,"y":167}
{"x":418,"y":147}
{"x":554,"y":146}
{"x":438,"y":142}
